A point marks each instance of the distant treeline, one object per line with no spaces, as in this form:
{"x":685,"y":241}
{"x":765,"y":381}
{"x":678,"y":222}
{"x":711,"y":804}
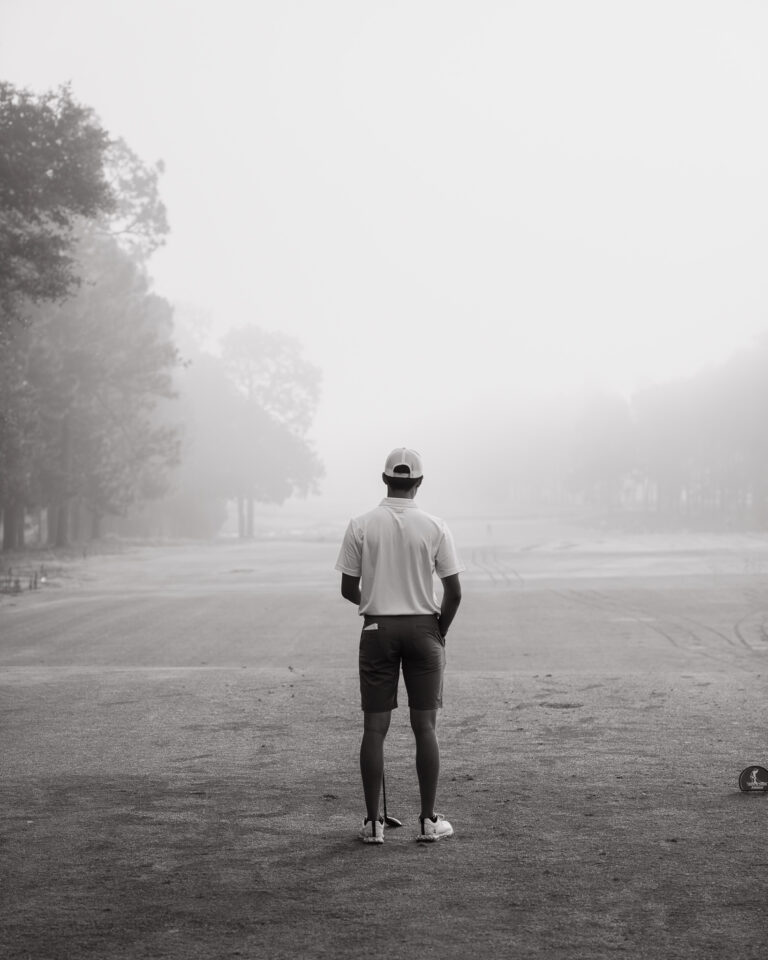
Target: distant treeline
{"x":691,"y":449}
{"x":98,"y":410}
{"x":102,"y":416}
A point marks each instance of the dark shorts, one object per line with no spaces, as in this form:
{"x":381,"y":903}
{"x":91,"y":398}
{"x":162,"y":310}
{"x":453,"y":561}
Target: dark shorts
{"x":414,"y":641}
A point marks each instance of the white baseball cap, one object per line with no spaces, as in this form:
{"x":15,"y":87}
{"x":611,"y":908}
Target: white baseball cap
{"x":403,"y":457}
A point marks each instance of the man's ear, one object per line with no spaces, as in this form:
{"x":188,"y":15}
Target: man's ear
{"x":418,"y":484}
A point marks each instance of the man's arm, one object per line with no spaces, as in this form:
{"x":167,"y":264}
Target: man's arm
{"x":450,"y":603}
{"x":350,"y":588}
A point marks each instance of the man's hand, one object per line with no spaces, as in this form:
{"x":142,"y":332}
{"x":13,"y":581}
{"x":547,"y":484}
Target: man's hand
{"x":451,"y":601}
{"x":350,"y":588}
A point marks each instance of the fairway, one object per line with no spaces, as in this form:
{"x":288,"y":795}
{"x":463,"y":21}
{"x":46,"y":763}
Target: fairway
{"x":179,"y":756}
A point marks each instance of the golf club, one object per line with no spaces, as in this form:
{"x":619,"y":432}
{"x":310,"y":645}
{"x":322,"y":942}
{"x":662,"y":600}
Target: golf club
{"x":390,"y":821}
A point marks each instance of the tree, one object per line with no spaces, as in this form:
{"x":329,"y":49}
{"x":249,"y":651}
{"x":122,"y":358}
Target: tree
{"x":96,"y":366}
{"x":81,"y":376}
{"x":207,"y":409}
{"x":245,"y":419}
{"x":52,"y":174}
{"x":702,"y":441}
{"x":269,"y":457}
{"x":17,"y":444}
{"x":732,"y":444}
{"x":137,"y":220}
{"x":270,"y":372}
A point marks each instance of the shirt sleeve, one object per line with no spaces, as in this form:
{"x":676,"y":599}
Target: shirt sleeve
{"x":350,"y":559}
{"x":447,"y":560}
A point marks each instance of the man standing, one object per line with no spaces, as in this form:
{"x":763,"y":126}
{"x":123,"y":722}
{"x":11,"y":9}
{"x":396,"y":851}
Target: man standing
{"x":387,"y":561}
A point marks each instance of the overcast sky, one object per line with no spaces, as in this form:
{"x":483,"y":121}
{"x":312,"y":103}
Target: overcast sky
{"x":447,"y":203}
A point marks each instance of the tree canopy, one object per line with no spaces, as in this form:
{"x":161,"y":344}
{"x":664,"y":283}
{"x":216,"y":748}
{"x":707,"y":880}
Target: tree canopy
{"x":52,"y":174}
{"x":87,"y":357}
{"x":81,"y":376}
{"x":245,"y":416}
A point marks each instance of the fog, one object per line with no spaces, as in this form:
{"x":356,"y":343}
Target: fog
{"x":474,"y":218}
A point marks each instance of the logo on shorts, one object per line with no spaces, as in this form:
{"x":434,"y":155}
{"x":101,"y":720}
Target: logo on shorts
{"x":371,"y":626}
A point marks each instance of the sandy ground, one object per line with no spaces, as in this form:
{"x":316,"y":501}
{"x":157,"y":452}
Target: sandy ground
{"x":179,"y":757}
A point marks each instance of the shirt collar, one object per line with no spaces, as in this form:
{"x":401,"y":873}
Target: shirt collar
{"x":398,"y":502}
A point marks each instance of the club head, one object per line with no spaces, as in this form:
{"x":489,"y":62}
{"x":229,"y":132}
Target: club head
{"x":392,"y":822}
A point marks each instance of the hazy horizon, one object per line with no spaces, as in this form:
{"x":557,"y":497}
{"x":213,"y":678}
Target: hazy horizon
{"x":458,"y":210}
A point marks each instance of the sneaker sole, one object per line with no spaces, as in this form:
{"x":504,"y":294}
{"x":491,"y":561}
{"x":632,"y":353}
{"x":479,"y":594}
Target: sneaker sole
{"x":375,"y":840}
{"x":433,"y":837}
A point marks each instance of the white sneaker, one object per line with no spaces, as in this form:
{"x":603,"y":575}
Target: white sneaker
{"x":434,"y":828}
{"x":372,"y":831}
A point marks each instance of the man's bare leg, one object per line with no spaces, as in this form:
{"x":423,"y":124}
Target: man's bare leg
{"x":423,"y":724}
{"x":372,"y":758}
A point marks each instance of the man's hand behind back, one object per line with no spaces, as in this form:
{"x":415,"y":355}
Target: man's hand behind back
{"x":450,"y":603}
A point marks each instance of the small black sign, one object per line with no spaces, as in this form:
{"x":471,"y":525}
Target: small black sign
{"x":753,"y":778}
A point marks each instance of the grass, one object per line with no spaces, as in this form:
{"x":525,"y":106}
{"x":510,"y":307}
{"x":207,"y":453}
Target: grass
{"x":180,"y":770}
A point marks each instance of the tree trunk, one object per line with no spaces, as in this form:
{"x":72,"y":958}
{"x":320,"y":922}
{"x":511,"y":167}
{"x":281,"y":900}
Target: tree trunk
{"x":61,"y":538}
{"x":21,"y":522}
{"x":5,"y":517}
{"x":14,"y":516}
{"x":51,"y":522}
{"x":64,"y":506}
{"x":75,"y":520}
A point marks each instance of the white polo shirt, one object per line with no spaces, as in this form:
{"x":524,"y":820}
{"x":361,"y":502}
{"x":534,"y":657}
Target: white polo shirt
{"x":396,"y":549}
